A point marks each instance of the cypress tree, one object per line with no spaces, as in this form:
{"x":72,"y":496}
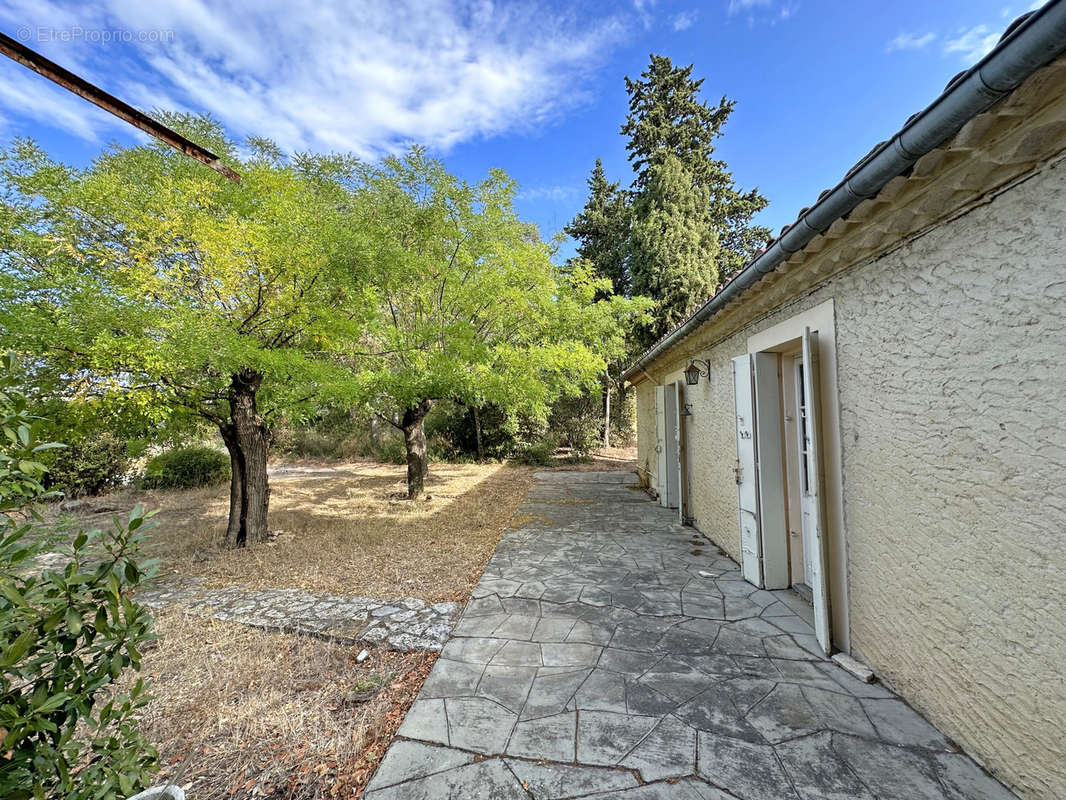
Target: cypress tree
{"x":671,"y":145}
{"x":602,"y":228}
{"x":674,"y":244}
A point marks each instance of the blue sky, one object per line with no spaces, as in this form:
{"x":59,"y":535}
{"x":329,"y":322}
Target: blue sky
{"x":533,"y":87}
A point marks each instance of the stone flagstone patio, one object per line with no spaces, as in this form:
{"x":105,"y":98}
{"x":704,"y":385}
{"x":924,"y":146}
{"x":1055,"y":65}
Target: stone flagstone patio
{"x":610,"y":652}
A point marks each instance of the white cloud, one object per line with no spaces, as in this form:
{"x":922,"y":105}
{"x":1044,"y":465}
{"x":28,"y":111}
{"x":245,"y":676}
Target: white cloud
{"x":368,"y":77}
{"x":755,"y":11}
{"x":738,"y":6}
{"x":553,"y":193}
{"x":972,"y":44}
{"x":644,"y":10}
{"x":46,"y":103}
{"x":684,"y":20}
{"x":910,"y":41}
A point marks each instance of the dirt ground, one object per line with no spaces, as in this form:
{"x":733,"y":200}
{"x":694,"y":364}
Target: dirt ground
{"x":241,"y":713}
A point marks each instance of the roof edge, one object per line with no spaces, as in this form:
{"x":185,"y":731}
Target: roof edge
{"x":1030,"y":42}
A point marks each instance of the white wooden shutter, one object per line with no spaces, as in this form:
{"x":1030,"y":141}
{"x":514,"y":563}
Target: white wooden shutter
{"x":813,"y":503}
{"x":660,"y":443}
{"x":679,"y":398}
{"x":670,"y":479}
{"x":770,"y":464}
{"x":746,"y":476}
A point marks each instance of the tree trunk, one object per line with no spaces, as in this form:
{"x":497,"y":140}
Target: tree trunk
{"x":606,"y":409}
{"x":247,"y":440}
{"x":477,"y":433}
{"x":414,"y":439}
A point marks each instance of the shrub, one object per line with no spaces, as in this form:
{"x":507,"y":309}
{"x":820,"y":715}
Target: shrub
{"x":539,"y":454}
{"x":89,"y":466}
{"x":390,"y":449}
{"x":186,"y":468}
{"x":579,"y":421}
{"x":65,"y":638}
{"x":310,"y":443}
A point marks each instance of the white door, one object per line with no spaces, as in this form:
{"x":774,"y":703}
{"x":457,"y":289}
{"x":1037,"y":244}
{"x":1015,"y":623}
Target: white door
{"x":746,"y":476}
{"x":679,"y":397}
{"x":673,"y":458}
{"x":660,"y":443}
{"x":806,"y":576}
{"x":812,"y":502}
{"x":770,"y":461}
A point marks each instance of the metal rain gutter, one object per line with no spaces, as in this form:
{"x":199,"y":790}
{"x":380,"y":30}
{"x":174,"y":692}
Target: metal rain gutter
{"x":1028,"y":44}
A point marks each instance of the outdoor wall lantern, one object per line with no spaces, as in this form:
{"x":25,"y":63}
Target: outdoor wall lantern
{"x":693,"y":372}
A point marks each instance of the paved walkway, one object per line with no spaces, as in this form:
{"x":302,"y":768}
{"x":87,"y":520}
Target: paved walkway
{"x":610,"y":652}
{"x":404,"y":624}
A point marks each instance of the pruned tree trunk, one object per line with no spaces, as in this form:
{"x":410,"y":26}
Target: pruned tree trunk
{"x":477,"y":433}
{"x":606,"y":409}
{"x":414,"y":438}
{"x":247,"y":439}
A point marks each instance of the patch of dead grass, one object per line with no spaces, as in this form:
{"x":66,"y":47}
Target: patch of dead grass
{"x":341,"y":530}
{"x":242,"y":713}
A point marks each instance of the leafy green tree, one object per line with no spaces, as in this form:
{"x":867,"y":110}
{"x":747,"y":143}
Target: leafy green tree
{"x":601,"y":229}
{"x":148,"y":276}
{"x":66,"y":635}
{"x":667,"y":119}
{"x":675,"y":244}
{"x":470,"y":306}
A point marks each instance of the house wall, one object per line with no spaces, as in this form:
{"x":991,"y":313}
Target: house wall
{"x":952,"y":399}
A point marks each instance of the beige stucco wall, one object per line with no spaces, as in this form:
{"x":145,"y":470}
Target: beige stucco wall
{"x":952,"y":397}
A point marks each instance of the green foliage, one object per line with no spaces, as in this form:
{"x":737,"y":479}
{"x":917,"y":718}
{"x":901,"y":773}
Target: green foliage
{"x":578,"y":422}
{"x":472,"y":307}
{"x":674,"y":245}
{"x":153,"y":279}
{"x":66,"y":636}
{"x":691,"y":226}
{"x":602,"y":230}
{"x":451,"y":429}
{"x":186,"y":468}
{"x":667,"y":118}
{"x":90,"y":465}
{"x":21,"y":451}
{"x":307,"y":442}
{"x":540,"y":453}
{"x":389,"y":449}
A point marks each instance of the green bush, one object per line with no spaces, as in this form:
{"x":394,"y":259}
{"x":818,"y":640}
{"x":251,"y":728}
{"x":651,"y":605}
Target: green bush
{"x":538,"y":454}
{"x":186,"y":468}
{"x":89,"y":466}
{"x":310,"y":443}
{"x":390,"y":449}
{"x":65,"y":638}
{"x":579,"y":421}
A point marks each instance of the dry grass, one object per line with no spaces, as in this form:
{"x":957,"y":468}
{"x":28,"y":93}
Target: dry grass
{"x":242,"y":713}
{"x":341,"y":529}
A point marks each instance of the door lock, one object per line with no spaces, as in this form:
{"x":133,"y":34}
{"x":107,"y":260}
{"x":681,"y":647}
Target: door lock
{"x":736,"y":472}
